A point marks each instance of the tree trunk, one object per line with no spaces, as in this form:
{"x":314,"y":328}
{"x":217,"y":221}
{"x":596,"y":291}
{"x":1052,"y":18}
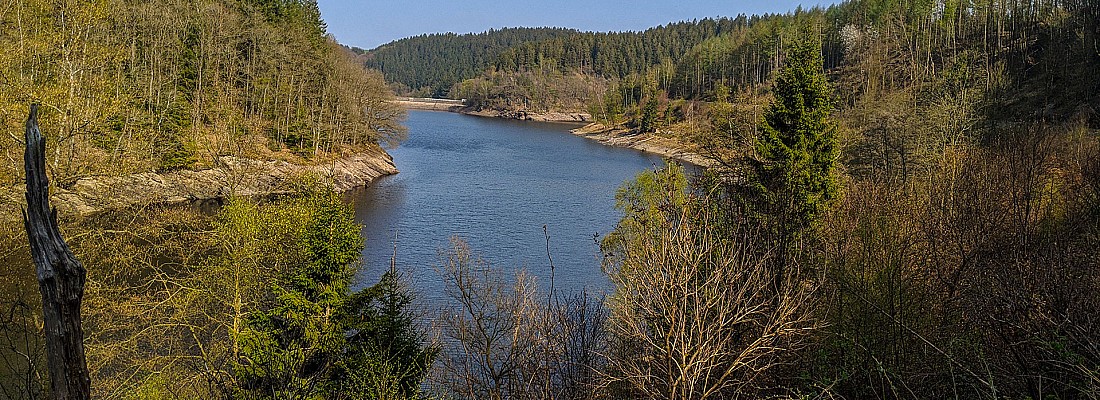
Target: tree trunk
{"x":60,"y":276}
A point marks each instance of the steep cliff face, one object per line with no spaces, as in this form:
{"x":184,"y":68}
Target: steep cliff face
{"x":234,"y":176}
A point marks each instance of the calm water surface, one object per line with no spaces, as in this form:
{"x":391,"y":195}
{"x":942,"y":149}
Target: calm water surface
{"x":495,"y":183}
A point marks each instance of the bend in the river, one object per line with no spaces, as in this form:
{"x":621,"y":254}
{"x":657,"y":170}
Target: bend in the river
{"x":495,"y":183}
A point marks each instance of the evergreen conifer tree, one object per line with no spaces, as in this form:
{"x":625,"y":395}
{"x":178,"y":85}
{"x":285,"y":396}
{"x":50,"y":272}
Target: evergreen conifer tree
{"x":321,"y":340}
{"x":791,"y":180}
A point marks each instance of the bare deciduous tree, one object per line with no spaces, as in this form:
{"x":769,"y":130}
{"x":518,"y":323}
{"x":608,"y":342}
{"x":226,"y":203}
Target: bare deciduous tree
{"x":502,"y":339}
{"x":696,"y":316}
{"x":489,"y":329}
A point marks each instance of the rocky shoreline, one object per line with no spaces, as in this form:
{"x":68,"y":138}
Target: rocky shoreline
{"x":457,"y":106}
{"x":416,"y":103}
{"x":610,"y":136}
{"x":528,"y":116}
{"x":233,"y":177}
{"x":649,"y":143}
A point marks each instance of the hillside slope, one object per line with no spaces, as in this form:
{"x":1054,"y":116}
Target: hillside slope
{"x":141,"y":86}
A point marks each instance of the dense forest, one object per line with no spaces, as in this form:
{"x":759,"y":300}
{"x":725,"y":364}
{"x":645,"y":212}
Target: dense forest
{"x":877,"y":45}
{"x":428,"y":65}
{"x":139,"y":86}
{"x":903,"y":202}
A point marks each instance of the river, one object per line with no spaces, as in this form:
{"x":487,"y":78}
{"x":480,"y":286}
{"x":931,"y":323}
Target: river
{"x":494,"y":183}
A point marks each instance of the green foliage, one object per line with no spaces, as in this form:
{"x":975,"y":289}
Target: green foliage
{"x":648,"y":202}
{"x":177,"y":153}
{"x":389,"y":355}
{"x":613,"y":107}
{"x":320,"y":340}
{"x":254,"y":301}
{"x":167,"y":85}
{"x":792,"y":180}
{"x":529,"y":91}
{"x":648,"y":121}
{"x":439,"y":61}
{"x":744,"y":57}
{"x":615,"y":55}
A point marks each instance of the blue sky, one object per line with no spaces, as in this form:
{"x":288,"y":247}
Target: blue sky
{"x":370,"y":23}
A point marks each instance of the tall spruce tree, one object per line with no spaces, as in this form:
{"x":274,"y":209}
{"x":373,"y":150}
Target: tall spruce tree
{"x":791,"y":179}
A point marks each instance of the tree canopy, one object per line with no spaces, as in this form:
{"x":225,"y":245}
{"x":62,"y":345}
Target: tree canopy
{"x":791,"y":179}
{"x":137,"y":86}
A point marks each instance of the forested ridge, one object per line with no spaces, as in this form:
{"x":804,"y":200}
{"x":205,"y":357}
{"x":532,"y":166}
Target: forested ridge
{"x":428,"y":65}
{"x":137,"y":86}
{"x":882,"y":45}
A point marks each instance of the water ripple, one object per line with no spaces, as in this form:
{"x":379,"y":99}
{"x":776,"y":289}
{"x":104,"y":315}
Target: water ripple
{"x":494,"y":183}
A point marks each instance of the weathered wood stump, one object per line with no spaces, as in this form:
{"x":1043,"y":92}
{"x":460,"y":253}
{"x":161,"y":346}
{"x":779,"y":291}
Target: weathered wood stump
{"x":60,"y":276}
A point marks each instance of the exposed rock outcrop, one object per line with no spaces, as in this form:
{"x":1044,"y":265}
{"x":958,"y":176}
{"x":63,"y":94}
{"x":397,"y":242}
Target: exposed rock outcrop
{"x":458,"y":106}
{"x":234,"y":176}
{"x":417,"y":103}
{"x":649,"y":143}
{"x":523,"y":115}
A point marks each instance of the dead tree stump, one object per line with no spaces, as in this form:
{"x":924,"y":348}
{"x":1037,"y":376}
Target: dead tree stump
{"x":60,"y":276}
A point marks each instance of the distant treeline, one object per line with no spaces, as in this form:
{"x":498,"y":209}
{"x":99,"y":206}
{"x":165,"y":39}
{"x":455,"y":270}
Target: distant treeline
{"x":428,"y":65}
{"x":432,"y":64}
{"x":882,"y":44}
